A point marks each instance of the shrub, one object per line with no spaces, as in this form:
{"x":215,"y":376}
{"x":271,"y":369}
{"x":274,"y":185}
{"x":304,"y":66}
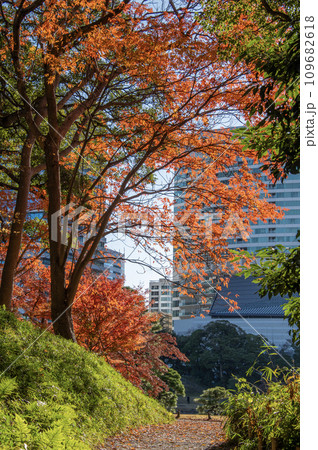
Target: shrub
{"x":169,"y":398}
{"x":256,"y":417}
{"x":212,"y":401}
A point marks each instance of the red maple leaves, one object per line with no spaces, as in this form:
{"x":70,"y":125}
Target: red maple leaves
{"x":110,"y":320}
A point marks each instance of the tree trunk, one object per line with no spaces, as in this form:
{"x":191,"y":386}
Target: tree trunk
{"x":61,"y":306}
{"x":260,"y":443}
{"x":61,"y":313}
{"x":20,"y":211}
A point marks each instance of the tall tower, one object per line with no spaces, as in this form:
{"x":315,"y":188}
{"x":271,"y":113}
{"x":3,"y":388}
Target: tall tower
{"x":283,"y":231}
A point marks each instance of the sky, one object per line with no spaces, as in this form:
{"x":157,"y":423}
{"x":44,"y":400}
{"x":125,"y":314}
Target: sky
{"x":136,"y":274}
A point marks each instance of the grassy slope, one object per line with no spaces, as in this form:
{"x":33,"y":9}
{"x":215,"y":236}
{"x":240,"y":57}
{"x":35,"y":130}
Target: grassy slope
{"x":60,"y":396}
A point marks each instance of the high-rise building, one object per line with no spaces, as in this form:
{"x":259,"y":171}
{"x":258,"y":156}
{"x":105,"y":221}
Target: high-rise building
{"x":283,"y":231}
{"x":160,"y":296}
{"x":186,"y":306}
{"x":114,"y":264}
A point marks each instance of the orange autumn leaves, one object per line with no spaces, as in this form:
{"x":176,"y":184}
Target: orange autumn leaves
{"x":134,"y":93}
{"x":110,"y":318}
{"x":113,"y":321}
{"x":188,"y":432}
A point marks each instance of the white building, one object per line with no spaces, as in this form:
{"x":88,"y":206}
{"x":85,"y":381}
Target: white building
{"x":275,"y":330}
{"x":160,"y":296}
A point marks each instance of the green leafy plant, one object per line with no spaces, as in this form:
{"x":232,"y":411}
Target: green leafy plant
{"x":176,"y":388}
{"x":256,"y":418}
{"x":61,"y":396}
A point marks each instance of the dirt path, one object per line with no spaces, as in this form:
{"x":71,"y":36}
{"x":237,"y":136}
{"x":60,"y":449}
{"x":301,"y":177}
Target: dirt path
{"x":184,"y":433}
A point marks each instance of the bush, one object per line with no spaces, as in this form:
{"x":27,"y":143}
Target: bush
{"x":212,"y":401}
{"x":256,"y":417}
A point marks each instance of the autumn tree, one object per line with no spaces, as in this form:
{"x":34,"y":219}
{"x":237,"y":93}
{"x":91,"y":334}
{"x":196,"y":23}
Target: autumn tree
{"x":114,"y":322}
{"x":145,"y":367}
{"x":110,"y":318}
{"x":31,"y":293}
{"x":104,"y":97}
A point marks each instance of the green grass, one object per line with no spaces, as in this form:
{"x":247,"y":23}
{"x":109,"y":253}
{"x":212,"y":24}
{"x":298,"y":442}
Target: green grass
{"x":60,"y":396}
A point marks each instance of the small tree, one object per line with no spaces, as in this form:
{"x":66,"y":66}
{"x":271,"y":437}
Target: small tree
{"x":176,"y":389}
{"x":212,"y":401}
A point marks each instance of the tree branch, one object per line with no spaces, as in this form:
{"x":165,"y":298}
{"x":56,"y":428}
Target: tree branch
{"x":274,"y":13}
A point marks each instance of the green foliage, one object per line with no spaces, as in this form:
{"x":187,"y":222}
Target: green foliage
{"x":265,"y":36}
{"x":169,"y":400}
{"x":256,"y":417}
{"x":212,"y":401}
{"x":173,"y":380}
{"x":277,"y":271}
{"x":176,"y":388}
{"x":60,"y":396}
{"x":39,"y":425}
{"x":7,"y":387}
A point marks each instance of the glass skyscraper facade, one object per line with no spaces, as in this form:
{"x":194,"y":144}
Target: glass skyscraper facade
{"x":282,"y":231}
{"x":264,"y":234}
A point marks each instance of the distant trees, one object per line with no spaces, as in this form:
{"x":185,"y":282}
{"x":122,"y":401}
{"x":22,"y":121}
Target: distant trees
{"x":220,"y":350}
{"x":176,"y":389}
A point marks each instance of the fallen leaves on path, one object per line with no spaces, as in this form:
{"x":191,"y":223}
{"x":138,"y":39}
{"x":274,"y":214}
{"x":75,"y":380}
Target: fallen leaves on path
{"x":184,"y":433}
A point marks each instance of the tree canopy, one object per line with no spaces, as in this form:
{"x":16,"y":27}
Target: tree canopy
{"x":98,"y":100}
